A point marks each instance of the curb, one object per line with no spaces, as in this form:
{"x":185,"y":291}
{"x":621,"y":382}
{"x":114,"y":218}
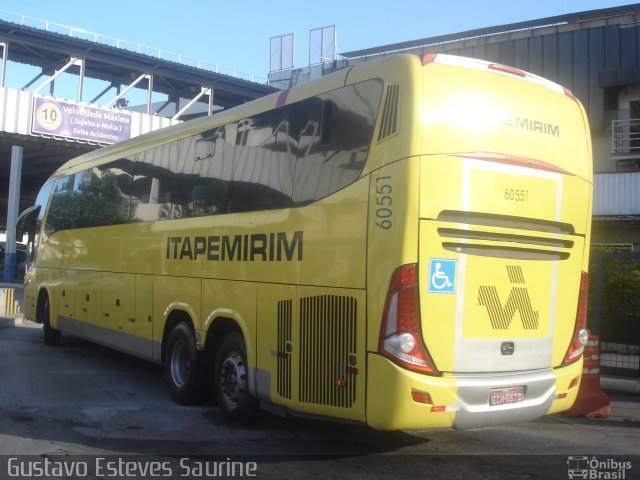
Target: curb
{"x":620,"y":385}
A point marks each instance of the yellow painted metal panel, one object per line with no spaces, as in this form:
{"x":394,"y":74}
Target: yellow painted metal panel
{"x":118,"y":307}
{"x":479,"y":110}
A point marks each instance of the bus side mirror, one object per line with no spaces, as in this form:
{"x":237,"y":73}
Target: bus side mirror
{"x":27,"y":221}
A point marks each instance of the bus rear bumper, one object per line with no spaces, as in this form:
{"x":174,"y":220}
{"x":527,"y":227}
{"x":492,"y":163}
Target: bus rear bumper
{"x":462,"y":402}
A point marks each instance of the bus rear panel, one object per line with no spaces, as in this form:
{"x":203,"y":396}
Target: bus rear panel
{"x":483,"y":319}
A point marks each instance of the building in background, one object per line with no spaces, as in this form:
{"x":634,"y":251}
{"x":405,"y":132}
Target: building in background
{"x":596,"y":54}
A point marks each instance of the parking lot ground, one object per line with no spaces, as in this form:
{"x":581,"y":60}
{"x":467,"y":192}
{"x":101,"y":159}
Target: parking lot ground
{"x":83,"y":399}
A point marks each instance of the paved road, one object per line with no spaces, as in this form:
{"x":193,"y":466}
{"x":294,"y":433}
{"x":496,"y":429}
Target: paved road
{"x":83,"y":399}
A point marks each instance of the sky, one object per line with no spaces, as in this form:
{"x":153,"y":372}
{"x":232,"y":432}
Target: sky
{"x":236,"y":34}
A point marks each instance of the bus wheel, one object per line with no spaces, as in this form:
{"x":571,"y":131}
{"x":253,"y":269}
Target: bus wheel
{"x":181,"y":364}
{"x":231,"y":380}
{"x":51,"y":335}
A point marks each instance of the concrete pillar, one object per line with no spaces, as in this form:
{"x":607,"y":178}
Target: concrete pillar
{"x":12,"y":214}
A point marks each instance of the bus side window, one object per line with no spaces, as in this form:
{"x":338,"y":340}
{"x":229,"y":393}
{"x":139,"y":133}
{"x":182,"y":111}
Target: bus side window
{"x":151,"y":187}
{"x":330,"y":158}
{"x":264,"y":162}
{"x":210,"y":194}
{"x":183,"y":175}
{"x":91,"y":198}
{"x":104,"y":193}
{"x":61,"y":207}
{"x":201,"y":174}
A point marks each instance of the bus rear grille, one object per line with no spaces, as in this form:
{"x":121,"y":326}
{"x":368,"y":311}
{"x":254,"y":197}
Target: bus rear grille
{"x":514,"y":253}
{"x":284,"y":348}
{"x":389,"y":123}
{"x":505,"y":237}
{"x":328,"y":350}
{"x":547,"y":241}
{"x":506,"y":221}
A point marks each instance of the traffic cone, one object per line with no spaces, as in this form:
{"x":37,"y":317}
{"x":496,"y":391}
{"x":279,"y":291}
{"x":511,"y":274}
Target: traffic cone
{"x":591,"y":401}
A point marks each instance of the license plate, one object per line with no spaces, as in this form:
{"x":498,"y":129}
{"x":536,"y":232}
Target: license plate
{"x":505,"y":396}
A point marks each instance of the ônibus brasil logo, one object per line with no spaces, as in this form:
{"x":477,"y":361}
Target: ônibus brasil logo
{"x":598,"y":469}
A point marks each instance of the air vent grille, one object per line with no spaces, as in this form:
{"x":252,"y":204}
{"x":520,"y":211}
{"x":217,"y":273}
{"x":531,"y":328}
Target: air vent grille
{"x":284,"y":348}
{"x":506,"y":221}
{"x":328,"y":359}
{"x":389,"y":123}
{"x":485,"y":235}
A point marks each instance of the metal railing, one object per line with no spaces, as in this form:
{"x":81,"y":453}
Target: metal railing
{"x":620,"y":359}
{"x":625,"y":137}
{"x":81,"y":34}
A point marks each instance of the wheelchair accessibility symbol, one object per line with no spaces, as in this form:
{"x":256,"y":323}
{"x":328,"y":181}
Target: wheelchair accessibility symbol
{"x":442,"y":275}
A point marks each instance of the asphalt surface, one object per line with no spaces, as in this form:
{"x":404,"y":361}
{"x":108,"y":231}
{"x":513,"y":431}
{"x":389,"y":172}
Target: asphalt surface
{"x":83,"y":401}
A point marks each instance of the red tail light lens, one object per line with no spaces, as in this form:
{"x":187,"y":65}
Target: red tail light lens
{"x":428,"y":58}
{"x":513,"y":160}
{"x":421,"y":397}
{"x":580,"y":333}
{"x":401,"y":333}
{"x":568,"y":93}
{"x":505,"y":69}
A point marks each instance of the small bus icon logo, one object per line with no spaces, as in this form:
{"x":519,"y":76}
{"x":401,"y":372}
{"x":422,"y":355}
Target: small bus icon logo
{"x":578,"y":467}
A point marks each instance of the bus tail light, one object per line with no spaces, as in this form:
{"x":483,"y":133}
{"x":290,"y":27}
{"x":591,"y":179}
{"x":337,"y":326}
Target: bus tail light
{"x":569,"y":93}
{"x":425,"y":398}
{"x":505,"y":69}
{"x":574,"y":383}
{"x":428,"y":58}
{"x":580,"y":333}
{"x":421,"y":397}
{"x":401,"y":333}
{"x":513,"y":160}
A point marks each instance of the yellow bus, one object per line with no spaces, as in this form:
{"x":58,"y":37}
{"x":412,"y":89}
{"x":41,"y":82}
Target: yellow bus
{"x":402,"y":243}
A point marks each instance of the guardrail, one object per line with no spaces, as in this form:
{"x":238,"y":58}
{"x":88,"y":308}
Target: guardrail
{"x":81,"y":34}
{"x":625,"y":137}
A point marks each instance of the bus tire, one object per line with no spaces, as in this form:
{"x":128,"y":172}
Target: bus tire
{"x":181,"y":364}
{"x":231,"y":380}
{"x":51,"y":335}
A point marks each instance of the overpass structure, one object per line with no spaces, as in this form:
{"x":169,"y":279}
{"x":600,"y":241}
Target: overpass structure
{"x":44,"y":123}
